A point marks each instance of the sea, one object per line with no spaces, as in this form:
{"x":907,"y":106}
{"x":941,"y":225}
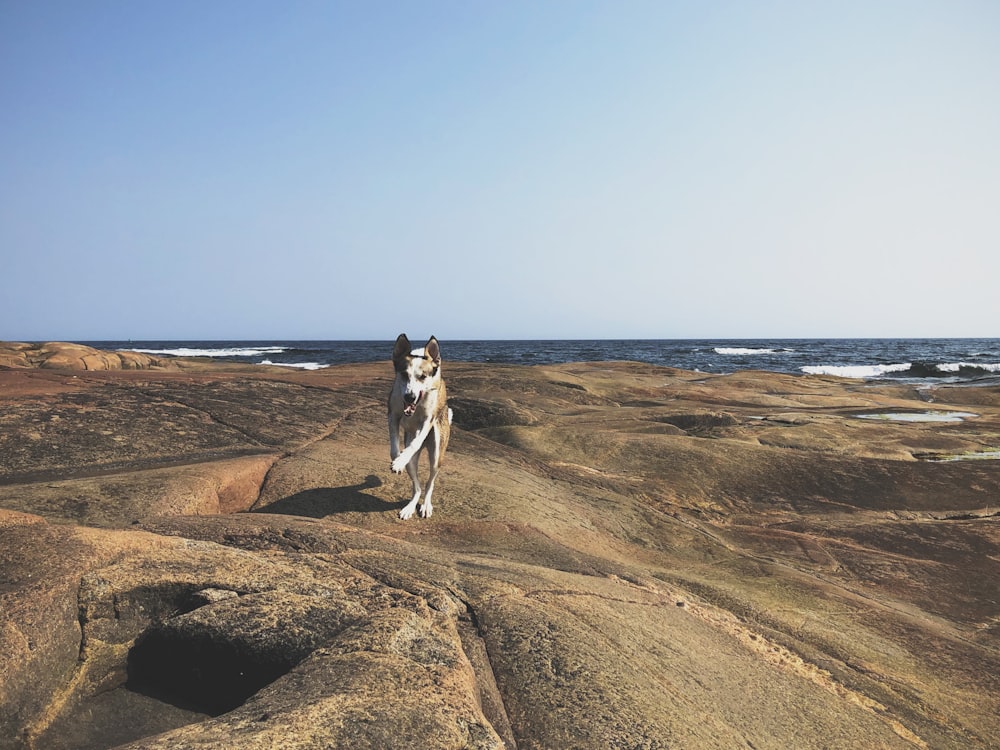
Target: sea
{"x":959,"y":360}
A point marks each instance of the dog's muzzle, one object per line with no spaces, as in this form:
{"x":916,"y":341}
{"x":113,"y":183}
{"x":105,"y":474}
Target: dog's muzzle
{"x":410,"y":401}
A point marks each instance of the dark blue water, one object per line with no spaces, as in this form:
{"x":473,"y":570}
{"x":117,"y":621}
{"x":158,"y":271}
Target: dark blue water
{"x":933,"y":360}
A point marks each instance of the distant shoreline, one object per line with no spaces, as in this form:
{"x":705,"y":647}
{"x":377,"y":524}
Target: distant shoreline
{"x":917,"y":361}
{"x":907,"y":360}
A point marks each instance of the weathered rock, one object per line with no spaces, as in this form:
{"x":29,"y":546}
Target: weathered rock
{"x":104,"y":424}
{"x":14,"y":354}
{"x":477,"y":413}
{"x":65,"y":356}
{"x":138,"y":620}
{"x":116,"y":500}
{"x":620,"y":556}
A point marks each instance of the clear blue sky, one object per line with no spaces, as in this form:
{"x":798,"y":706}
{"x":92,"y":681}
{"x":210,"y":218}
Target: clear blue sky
{"x":544,"y":169}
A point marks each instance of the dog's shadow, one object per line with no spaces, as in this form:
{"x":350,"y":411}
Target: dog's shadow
{"x":321,"y":502}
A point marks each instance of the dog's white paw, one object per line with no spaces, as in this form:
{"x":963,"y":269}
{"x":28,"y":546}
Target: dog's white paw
{"x":398,"y":465}
{"x":425,"y":510}
{"x":407,"y":513}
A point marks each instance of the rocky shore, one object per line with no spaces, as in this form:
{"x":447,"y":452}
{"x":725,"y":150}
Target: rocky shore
{"x":195,"y":554}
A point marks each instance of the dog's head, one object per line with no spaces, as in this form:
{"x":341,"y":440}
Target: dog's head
{"x":418,"y":369}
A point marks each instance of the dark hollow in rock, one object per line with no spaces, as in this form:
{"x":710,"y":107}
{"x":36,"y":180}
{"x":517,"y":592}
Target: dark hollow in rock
{"x":200,"y":673}
{"x":214,"y":658}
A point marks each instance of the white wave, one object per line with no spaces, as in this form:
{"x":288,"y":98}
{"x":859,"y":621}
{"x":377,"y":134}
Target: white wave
{"x":299,"y":365}
{"x":225,"y":352}
{"x":956,"y":366}
{"x":855,"y":371}
{"x":735,"y":350}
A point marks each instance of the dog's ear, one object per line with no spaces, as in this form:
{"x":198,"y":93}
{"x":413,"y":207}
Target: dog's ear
{"x":402,"y":348}
{"x":433,"y":350}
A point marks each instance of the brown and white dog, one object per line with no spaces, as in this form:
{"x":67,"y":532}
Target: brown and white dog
{"x":418,"y":409}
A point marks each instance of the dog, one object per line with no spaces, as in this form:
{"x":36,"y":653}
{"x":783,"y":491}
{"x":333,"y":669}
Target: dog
{"x":418,"y":411}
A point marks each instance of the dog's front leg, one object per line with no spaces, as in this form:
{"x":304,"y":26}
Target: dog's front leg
{"x":411,"y":468}
{"x":393,"y":436}
{"x":407,"y":511}
{"x":400,"y":461}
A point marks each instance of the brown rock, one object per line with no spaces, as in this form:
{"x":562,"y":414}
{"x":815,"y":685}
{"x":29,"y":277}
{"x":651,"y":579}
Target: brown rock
{"x":121,"y":499}
{"x":621,"y":556}
{"x":146,"y":622}
{"x":66,"y":356}
{"x":14,"y":354}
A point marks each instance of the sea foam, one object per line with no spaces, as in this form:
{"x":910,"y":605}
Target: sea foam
{"x":299,"y":365}
{"x":223,"y":352}
{"x":855,"y":371}
{"x":739,"y":351}
{"x":956,"y":366}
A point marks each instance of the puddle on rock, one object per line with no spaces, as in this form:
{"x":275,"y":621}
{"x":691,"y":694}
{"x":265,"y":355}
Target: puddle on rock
{"x":972,"y":456}
{"x":919,"y":416}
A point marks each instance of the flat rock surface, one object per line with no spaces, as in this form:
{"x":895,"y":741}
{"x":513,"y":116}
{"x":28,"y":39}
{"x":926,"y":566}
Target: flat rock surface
{"x":621,"y":556}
